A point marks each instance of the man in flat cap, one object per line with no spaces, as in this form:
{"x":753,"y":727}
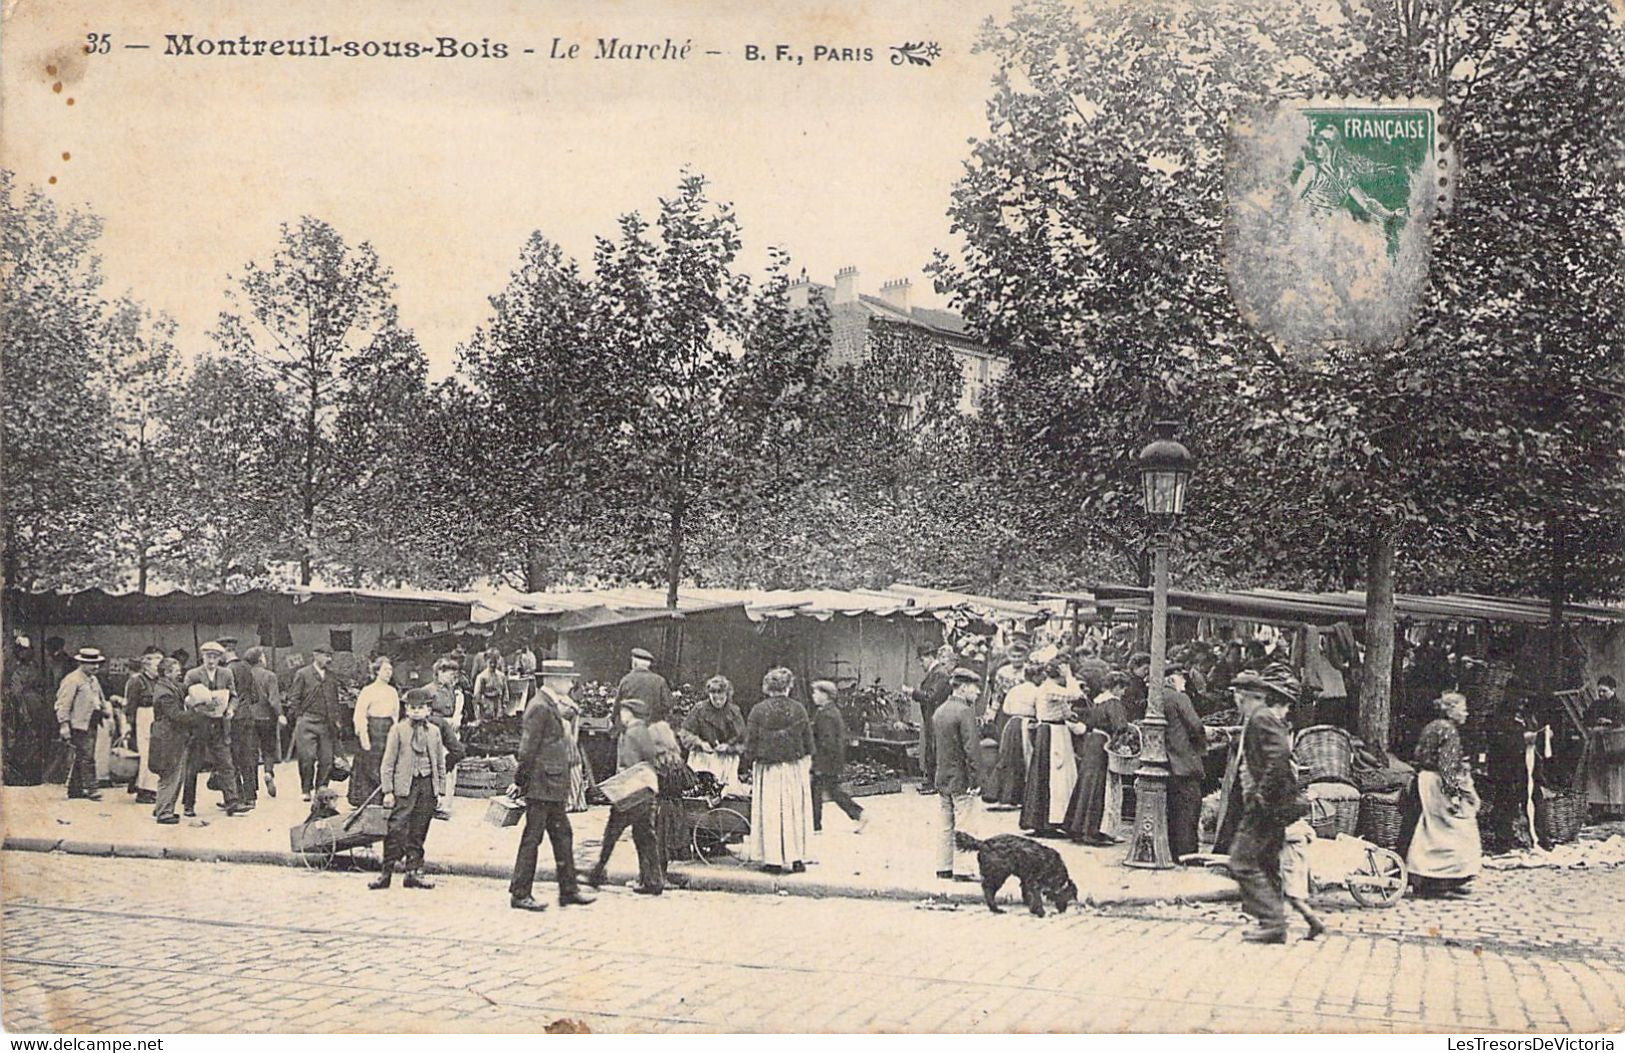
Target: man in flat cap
{"x":213,"y":739}
{"x":80,"y":706}
{"x":1270,"y":799}
{"x":313,"y":700}
{"x":542,"y":780}
{"x":958,"y":770}
{"x":644,"y":683}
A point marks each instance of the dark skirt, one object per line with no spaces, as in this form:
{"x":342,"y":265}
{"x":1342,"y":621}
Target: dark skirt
{"x":1088,"y":807}
{"x":364,"y":777}
{"x":1035,"y":794}
{"x":1010,"y":774}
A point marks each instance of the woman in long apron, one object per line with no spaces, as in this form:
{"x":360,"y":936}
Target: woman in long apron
{"x":779,"y":743}
{"x":1020,"y":712}
{"x":1439,"y":837}
{"x":1089,"y":817}
{"x":1052,"y":773}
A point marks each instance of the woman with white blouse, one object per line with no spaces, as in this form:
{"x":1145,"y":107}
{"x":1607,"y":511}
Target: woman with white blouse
{"x":377,"y":708}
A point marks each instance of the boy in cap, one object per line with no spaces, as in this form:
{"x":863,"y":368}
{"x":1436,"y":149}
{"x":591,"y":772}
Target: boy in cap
{"x":958,"y":771}
{"x":412,"y":776}
{"x":446,"y":713}
{"x":80,"y":706}
{"x":644,"y":683}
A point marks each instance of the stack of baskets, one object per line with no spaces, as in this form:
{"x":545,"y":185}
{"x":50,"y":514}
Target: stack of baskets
{"x":1325,"y":758}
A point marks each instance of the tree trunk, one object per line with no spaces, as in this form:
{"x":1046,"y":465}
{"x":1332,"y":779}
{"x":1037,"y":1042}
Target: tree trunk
{"x":674,"y":555}
{"x":141,"y":563}
{"x":535,"y":568}
{"x":1376,"y":680}
{"x":1557,"y":596}
{"x":308,"y":542}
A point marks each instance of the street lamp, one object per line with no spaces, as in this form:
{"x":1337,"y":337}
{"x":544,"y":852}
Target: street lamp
{"x":1165,"y":470}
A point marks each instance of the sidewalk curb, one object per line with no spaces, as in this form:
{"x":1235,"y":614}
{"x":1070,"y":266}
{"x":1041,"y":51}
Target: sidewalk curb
{"x":699,"y":879}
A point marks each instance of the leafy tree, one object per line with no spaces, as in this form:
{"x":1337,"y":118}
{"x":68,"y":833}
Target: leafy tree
{"x":138,"y":365}
{"x":230,"y":474}
{"x":307,"y":313}
{"x":57,"y":460}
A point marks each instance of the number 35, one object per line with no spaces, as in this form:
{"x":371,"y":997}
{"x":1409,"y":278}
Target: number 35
{"x":98,"y":43}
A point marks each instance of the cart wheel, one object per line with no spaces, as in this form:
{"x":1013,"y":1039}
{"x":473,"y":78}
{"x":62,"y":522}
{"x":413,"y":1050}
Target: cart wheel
{"x":714,"y":830}
{"x":318,"y":854}
{"x":1381,"y":881}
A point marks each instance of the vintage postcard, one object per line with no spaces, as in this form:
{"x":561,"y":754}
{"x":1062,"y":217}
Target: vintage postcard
{"x":967,"y":516}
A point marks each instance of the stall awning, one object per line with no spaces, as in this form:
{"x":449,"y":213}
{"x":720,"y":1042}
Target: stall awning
{"x":1321,"y":608}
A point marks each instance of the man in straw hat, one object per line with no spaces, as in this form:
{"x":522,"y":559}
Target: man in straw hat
{"x":1269,"y":793}
{"x":543,"y":781}
{"x":80,"y":705}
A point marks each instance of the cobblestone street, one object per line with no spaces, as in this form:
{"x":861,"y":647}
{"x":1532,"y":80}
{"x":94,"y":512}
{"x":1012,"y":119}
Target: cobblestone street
{"x":103,"y":945}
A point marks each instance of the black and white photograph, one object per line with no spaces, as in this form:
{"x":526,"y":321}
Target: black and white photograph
{"x":967,"y":517}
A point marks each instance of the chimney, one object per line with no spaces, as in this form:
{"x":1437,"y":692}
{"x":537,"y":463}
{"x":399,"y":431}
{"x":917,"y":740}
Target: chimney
{"x":798,"y":291}
{"x":895,"y":293}
{"x":846,"y":285}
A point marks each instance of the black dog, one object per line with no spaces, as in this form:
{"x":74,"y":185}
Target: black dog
{"x":1039,"y":868}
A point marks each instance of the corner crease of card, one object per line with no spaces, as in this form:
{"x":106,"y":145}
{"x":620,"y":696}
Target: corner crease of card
{"x":1329,"y":208}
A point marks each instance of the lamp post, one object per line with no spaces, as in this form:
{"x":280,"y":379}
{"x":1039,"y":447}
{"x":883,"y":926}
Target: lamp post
{"x":1165,"y":469}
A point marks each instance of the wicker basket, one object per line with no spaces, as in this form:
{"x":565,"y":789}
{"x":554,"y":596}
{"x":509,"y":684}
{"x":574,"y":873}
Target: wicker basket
{"x":1325,"y":753}
{"x":1560,"y":820}
{"x":1334,"y":808}
{"x":1380,"y":819}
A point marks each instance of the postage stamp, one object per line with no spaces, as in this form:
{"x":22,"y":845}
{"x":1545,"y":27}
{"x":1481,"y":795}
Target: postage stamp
{"x":1327,"y":229}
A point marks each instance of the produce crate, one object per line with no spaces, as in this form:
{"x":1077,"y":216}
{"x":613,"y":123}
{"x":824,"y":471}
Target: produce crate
{"x":884,"y":732}
{"x":872,"y":789}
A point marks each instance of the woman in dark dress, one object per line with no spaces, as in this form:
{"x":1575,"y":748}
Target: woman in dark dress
{"x":1086,"y":813}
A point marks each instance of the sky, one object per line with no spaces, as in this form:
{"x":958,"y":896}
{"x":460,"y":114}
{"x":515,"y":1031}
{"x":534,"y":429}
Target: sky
{"x":447,"y":165}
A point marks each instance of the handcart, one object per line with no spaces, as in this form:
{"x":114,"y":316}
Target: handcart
{"x":318,"y":842}
{"x":1374,"y":876}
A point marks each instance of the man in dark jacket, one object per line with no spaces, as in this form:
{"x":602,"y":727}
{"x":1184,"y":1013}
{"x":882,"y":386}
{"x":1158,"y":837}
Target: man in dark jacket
{"x":543,"y":780}
{"x":958,"y":771}
{"x":829,"y":757}
{"x":241,"y":730}
{"x":933,"y":691}
{"x":1187,"y":742}
{"x":1269,"y":791}
{"x":644,"y":683}
{"x":313,"y":698}
{"x":170,"y":745}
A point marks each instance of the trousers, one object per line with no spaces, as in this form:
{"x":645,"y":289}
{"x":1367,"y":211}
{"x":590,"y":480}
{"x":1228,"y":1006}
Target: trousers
{"x":955,"y":811}
{"x":1184,"y":814}
{"x":830,"y":786}
{"x":253,"y":742}
{"x":1255,"y":863}
{"x":81,"y":761}
{"x":169,"y":783}
{"x":651,"y":873}
{"x":211,"y":743}
{"x":409,"y":823}
{"x":313,"y":744}
{"x":549,"y":819}
{"x":928,"y":746}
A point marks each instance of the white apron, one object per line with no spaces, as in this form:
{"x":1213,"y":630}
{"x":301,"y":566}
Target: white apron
{"x":145,"y":780}
{"x":781,"y":812}
{"x":1446,"y":844}
{"x":1063,"y":772}
{"x":724,"y":766}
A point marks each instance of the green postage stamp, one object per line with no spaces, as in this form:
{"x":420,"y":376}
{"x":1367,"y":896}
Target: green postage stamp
{"x":1329,"y":203}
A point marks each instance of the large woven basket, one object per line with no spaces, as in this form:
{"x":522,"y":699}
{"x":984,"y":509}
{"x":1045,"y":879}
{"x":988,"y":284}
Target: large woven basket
{"x":1326,"y":754}
{"x":1334,"y":808}
{"x":1380,"y":819}
{"x":1560,"y":820}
